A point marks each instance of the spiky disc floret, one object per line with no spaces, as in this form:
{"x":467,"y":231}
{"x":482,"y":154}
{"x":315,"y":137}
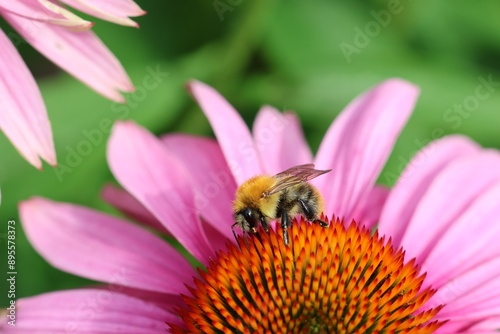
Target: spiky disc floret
{"x":328,"y":280}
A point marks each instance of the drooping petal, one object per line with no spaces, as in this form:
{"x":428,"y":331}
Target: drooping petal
{"x":231,"y":131}
{"x":143,"y":166}
{"x":415,"y":181}
{"x":81,"y":53}
{"x":23,"y":117}
{"x":447,"y":198}
{"x":358,"y":143}
{"x":87,"y":311}
{"x":116,"y":11}
{"x":130,"y":207}
{"x":280,"y":141}
{"x":212,"y":181}
{"x":101,"y":247}
{"x":470,"y":241}
{"x":45,"y":11}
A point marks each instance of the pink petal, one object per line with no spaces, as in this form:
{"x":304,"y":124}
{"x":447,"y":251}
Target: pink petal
{"x":81,"y":54}
{"x":164,"y":300}
{"x":466,"y":287}
{"x":101,"y":247}
{"x":23,"y":117}
{"x":447,"y":198}
{"x":87,"y":311}
{"x":143,"y":166}
{"x":279,"y":139}
{"x":358,"y":143}
{"x":486,"y":304}
{"x":415,"y":181}
{"x":218,"y":240}
{"x":470,"y":298}
{"x":168,"y":302}
{"x":490,"y":325}
{"x":462,"y":326}
{"x":116,"y":11}
{"x":368,"y":213}
{"x":130,"y":207}
{"x":463,"y":244}
{"x":45,"y":11}
{"x":209,"y":175}
{"x":231,"y":132}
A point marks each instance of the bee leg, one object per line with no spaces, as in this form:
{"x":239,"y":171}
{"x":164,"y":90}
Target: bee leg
{"x":310,"y":215}
{"x":307,"y":210}
{"x":234,"y":233}
{"x":321,"y":223}
{"x":264,"y":224}
{"x":245,"y":236}
{"x":285,"y":222}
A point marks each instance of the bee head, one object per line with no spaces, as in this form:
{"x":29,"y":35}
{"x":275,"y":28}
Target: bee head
{"x":248,"y":219}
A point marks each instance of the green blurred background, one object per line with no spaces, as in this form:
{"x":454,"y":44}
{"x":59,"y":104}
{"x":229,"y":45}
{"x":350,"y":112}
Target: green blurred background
{"x":310,"y":57}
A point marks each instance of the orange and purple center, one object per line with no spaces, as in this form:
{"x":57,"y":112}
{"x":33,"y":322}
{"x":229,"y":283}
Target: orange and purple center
{"x":328,"y":280}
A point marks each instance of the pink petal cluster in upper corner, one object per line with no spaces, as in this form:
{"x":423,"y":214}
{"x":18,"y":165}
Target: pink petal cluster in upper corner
{"x":116,"y":11}
{"x":47,"y":12}
{"x":81,"y":53}
{"x":23,"y":117}
{"x":63,"y":37}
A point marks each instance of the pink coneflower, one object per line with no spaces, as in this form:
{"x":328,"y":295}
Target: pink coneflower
{"x":433,"y":266}
{"x":64,"y":38}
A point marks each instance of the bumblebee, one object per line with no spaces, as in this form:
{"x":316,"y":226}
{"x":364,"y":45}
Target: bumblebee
{"x":264,"y":198}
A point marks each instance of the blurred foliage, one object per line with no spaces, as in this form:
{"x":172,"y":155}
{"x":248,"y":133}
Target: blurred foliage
{"x":289,"y":54}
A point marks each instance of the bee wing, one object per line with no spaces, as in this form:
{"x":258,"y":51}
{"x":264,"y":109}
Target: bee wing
{"x":293,"y":176}
{"x":296,"y":170}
